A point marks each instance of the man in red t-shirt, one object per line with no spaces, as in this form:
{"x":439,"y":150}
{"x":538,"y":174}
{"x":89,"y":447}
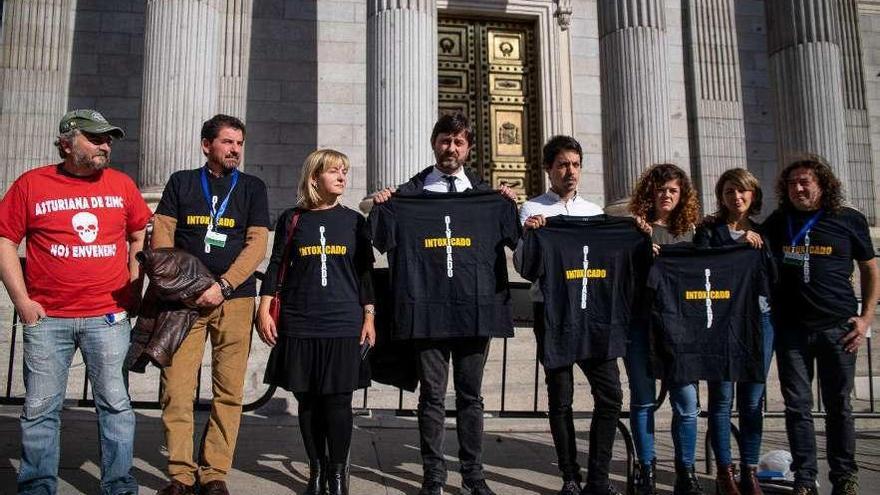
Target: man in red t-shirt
{"x":84,"y":223}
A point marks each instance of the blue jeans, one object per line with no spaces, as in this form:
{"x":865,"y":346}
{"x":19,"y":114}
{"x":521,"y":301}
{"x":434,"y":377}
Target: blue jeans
{"x":49,"y":346}
{"x":749,"y":402}
{"x":642,"y":389}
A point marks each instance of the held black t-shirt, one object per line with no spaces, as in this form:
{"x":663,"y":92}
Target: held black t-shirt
{"x":816,"y":292}
{"x":327,"y":282}
{"x":705,"y":318}
{"x":447,"y":261}
{"x":589,"y":269}
{"x":184,"y":200}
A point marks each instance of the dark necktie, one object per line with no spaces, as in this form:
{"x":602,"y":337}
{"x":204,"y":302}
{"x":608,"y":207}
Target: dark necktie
{"x":450,"y":180}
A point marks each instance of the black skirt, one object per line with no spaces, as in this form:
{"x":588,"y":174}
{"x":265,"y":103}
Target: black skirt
{"x":319,"y":366}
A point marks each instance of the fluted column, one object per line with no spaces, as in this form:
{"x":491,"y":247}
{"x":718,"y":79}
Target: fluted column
{"x":34,"y":75}
{"x":805,"y":71}
{"x":181,"y":85}
{"x":713,"y":93}
{"x":635,"y":105}
{"x":858,"y":132}
{"x":235,"y":56}
{"x":401,"y":89}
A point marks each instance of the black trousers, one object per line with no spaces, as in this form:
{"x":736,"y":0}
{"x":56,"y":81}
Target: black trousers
{"x":604,"y":378}
{"x":468,"y":357}
{"x":796,"y":351}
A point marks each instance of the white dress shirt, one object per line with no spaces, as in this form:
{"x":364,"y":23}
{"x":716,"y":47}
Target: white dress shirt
{"x":435,"y":181}
{"x":550,"y":204}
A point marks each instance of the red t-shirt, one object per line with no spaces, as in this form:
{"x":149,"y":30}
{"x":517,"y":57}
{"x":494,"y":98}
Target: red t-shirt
{"x":77,"y":242}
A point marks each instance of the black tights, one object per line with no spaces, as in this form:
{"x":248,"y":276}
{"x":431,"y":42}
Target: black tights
{"x":325,"y":420}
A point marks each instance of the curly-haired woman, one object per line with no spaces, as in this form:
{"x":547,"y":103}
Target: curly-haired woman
{"x":665,"y":204}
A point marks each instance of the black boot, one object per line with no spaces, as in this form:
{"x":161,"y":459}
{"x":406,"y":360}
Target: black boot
{"x":337,"y":482}
{"x":686,"y":482}
{"x":317,"y":484}
{"x":644,"y":482}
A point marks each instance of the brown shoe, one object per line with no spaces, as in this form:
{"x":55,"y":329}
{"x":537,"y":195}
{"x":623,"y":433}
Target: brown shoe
{"x":216,"y":487}
{"x":748,"y":481}
{"x":725,"y":480}
{"x":176,"y":488}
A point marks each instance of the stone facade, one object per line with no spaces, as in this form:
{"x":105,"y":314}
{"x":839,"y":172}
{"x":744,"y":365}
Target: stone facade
{"x":301,"y":73}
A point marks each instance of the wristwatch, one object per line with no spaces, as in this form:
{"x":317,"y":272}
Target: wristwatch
{"x":225,"y":288}
{"x":370,"y":311}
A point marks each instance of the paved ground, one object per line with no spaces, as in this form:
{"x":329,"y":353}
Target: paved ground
{"x":519,"y":455}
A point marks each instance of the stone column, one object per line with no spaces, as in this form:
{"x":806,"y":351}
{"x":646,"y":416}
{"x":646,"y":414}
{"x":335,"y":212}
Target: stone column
{"x":635,"y":85}
{"x":235,"y":57}
{"x":860,"y":189}
{"x":805,"y":58}
{"x":181,"y":86}
{"x":34,"y":75}
{"x":713,"y":93}
{"x":401,"y":89}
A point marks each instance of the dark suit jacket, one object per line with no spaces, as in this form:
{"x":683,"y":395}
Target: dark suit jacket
{"x":416,"y":185}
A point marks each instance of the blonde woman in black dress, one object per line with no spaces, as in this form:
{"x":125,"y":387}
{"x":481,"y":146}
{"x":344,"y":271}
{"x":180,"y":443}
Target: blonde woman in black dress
{"x":326,"y":314}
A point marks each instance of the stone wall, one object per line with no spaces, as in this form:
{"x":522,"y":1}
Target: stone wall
{"x":302,"y":52}
{"x":678,"y":111}
{"x":757,"y":96}
{"x":869,"y":20}
{"x":342,"y":88}
{"x":586,"y":96}
{"x":282,"y":95}
{"x":107,"y":69}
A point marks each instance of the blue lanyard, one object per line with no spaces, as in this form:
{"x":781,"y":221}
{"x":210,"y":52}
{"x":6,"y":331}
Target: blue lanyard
{"x":215,"y":215}
{"x":804,"y":230}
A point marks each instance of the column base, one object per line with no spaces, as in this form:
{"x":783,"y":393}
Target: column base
{"x":618,"y":208}
{"x":152,"y":195}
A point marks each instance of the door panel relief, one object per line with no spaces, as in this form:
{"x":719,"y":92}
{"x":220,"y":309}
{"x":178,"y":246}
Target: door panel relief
{"x":486,"y":71}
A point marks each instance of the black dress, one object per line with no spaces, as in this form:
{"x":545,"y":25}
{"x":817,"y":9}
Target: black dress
{"x":323,"y":293}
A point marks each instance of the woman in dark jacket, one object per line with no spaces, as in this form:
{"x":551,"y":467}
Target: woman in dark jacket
{"x":326,"y":314}
{"x":738,"y":194}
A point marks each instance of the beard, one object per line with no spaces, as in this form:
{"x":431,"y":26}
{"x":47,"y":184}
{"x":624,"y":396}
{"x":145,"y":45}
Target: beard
{"x":96,"y":161}
{"x":230,"y":162}
{"x":449,"y":163}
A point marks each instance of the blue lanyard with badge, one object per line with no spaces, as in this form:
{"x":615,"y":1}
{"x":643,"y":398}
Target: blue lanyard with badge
{"x":794,"y":258}
{"x":212,"y":237}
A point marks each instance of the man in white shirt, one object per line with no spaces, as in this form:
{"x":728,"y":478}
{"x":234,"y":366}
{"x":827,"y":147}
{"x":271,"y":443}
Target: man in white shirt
{"x":562,"y":157}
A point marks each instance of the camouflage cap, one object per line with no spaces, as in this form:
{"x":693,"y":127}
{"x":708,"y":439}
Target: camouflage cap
{"x":89,"y":121}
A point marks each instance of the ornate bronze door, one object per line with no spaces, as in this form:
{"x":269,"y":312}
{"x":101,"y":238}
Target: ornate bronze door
{"x":486,"y":71}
